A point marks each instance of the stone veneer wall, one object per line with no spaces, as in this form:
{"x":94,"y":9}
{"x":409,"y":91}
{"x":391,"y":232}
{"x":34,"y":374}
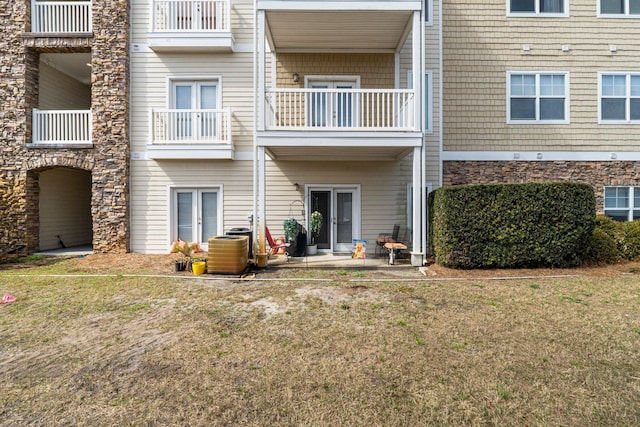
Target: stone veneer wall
{"x":107,"y":160}
{"x":597,"y":174}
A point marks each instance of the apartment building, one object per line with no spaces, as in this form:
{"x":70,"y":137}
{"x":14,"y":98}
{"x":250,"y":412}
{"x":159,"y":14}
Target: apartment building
{"x":64,"y":167}
{"x":543,"y":90}
{"x":244,"y":113}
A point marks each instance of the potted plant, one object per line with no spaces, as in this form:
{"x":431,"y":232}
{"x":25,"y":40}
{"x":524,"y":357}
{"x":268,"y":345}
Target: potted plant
{"x":315,"y":224}
{"x":186,"y":250}
{"x":290,"y":229}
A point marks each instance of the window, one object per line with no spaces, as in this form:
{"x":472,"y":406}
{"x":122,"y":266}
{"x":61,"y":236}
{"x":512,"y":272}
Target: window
{"x":538,"y":97}
{"x":537,"y":7}
{"x":428,"y":99}
{"x":619,"y":8}
{"x":619,"y":98}
{"x":196,"y":214}
{"x":622,"y":203}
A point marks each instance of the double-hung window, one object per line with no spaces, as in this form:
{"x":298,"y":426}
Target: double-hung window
{"x":622,"y":203}
{"x":538,"y":97}
{"x":553,"y":8}
{"x":619,"y":98}
{"x":619,"y":8}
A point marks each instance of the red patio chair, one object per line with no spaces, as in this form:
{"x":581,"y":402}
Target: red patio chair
{"x":275,"y":246}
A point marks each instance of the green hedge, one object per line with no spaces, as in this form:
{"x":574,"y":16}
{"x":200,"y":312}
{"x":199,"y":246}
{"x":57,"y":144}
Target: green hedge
{"x":512,"y":225}
{"x":614,"y":241}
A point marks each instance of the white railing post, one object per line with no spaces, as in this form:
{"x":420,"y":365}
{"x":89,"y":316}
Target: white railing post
{"x":61,"y":16}
{"x":190,"y":126}
{"x":339,"y":109}
{"x":61,"y":127}
{"x":190,"y":15}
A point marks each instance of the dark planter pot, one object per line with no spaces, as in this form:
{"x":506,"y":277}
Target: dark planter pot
{"x":181,"y":265}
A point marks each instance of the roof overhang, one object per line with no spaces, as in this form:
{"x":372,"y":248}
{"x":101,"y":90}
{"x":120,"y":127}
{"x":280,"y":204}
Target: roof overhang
{"x":363,"y":146}
{"x":338,"y":26}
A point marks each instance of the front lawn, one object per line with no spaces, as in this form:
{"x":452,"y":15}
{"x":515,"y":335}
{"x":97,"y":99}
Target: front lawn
{"x":347,"y":350}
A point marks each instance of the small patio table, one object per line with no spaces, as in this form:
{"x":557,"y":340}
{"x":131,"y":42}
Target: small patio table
{"x":394,"y":249}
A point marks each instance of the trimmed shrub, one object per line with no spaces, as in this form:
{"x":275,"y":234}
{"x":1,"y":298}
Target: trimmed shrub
{"x":603,"y":248}
{"x":512,"y":225}
{"x":631,"y":232}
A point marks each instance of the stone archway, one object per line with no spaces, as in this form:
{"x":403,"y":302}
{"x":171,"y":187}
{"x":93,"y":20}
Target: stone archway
{"x":58,"y":202}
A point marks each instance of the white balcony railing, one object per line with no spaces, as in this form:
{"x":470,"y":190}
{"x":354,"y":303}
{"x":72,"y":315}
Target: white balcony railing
{"x":340,"y":109}
{"x":191,"y":126}
{"x":191,"y":16}
{"x":62,"y":127}
{"x":61,"y":16}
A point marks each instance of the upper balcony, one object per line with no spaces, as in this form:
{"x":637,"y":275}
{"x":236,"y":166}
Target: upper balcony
{"x":344,"y":110}
{"x":192,"y":25}
{"x":61,"y":18}
{"x":190,"y":134}
{"x":61,"y":129}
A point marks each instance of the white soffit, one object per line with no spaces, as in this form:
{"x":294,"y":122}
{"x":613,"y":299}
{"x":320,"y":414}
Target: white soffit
{"x":338,"y":30}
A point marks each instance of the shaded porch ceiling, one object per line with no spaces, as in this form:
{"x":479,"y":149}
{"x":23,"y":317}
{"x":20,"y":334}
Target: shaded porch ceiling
{"x":339,"y":30}
{"x":353,"y":152}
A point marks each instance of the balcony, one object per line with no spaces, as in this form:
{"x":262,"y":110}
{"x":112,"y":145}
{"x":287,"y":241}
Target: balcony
{"x":344,"y":110}
{"x":190,"y":134}
{"x":202,"y":25}
{"x":346,"y":124}
{"x":61,"y":129}
{"x":61,"y":17}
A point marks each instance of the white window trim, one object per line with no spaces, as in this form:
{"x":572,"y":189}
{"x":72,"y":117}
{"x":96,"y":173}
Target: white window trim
{"x":428,"y":6}
{"x":537,"y":13}
{"x":330,"y":78}
{"x":631,"y":208}
{"x":567,"y":104}
{"x":172,"y":209}
{"x":428,"y":101}
{"x":625,"y":15}
{"x":170,"y":80}
{"x":627,"y":120}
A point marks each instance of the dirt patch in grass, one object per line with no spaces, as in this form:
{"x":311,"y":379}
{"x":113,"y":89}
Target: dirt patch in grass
{"x":346,"y":350}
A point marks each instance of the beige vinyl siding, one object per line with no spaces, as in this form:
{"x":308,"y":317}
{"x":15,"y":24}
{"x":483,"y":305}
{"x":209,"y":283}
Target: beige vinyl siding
{"x":150,"y":196}
{"x":383,"y":193}
{"x":376,"y":70}
{"x":383,"y":187}
{"x":58,"y":91}
{"x":65,"y":208}
{"x":149,"y":78}
{"x":241,"y":21}
{"x":432,"y":63}
{"x":481,"y":44}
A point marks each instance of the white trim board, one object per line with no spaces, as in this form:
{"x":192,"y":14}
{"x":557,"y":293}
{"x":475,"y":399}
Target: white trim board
{"x":558,"y":156}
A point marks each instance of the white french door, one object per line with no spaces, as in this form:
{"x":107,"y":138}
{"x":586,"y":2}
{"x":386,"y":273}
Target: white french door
{"x":196,"y":215}
{"x":197,"y":100}
{"x":331,"y":108}
{"x":340,"y":208}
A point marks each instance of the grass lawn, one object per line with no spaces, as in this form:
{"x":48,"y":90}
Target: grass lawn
{"x":353,"y":349}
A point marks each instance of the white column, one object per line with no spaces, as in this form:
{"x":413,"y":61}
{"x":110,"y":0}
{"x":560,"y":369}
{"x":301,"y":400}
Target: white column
{"x":417,"y":251}
{"x":260,"y":51}
{"x":417,"y":256}
{"x":261,"y":208}
{"x":418,"y":72}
